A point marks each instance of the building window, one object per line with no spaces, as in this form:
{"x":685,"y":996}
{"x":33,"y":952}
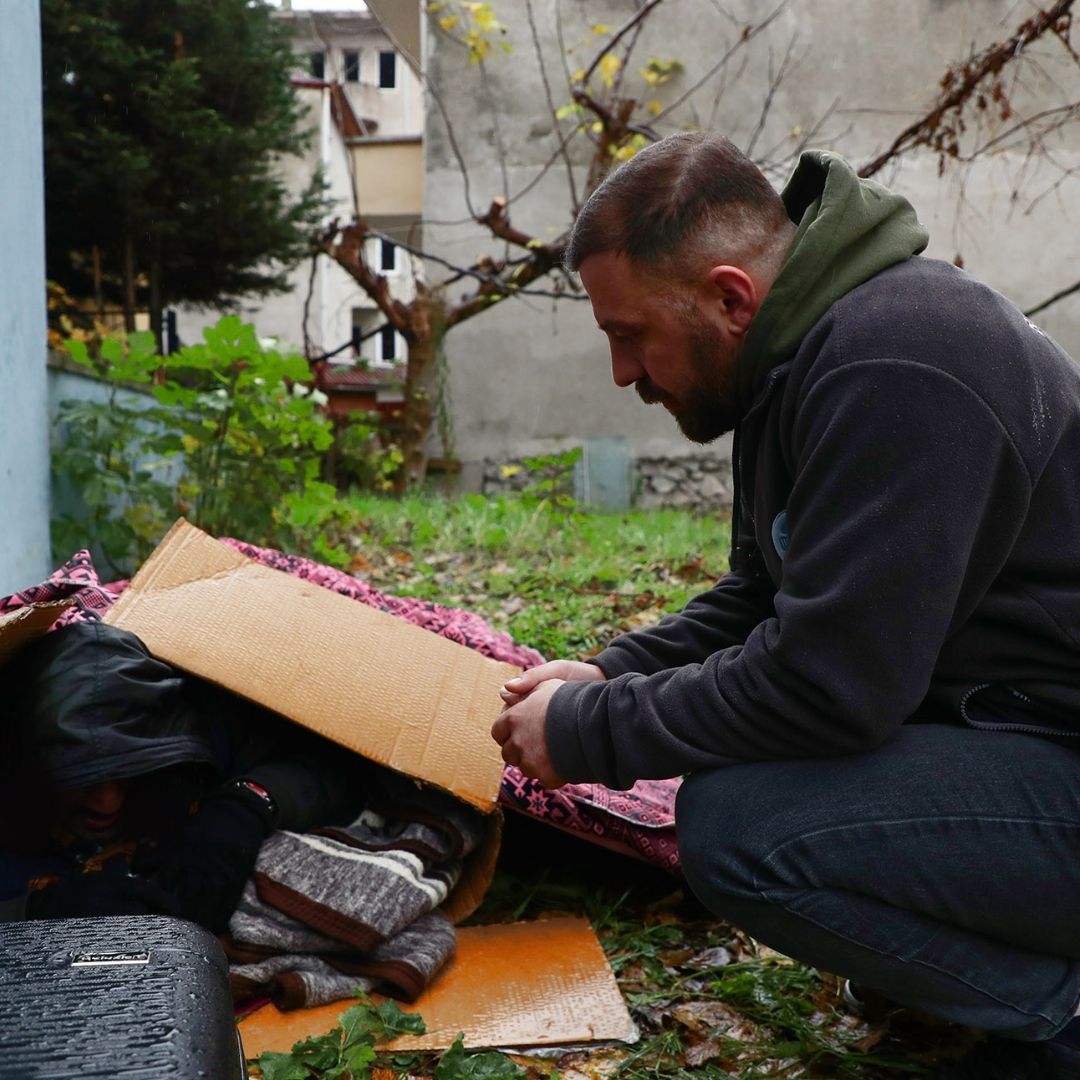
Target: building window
{"x":317,"y":64}
{"x":352,"y":65}
{"x":381,"y":343}
{"x":388,"y":257}
{"x":388,"y":351}
{"x":387,"y":70}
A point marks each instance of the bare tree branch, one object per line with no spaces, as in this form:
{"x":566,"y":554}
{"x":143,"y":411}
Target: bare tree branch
{"x":748,"y":34}
{"x":642,"y":13}
{"x":961,"y":84}
{"x":459,"y":157}
{"x":775,"y":79}
{"x":1069,"y":290}
{"x":1062,"y":114}
{"x":348,"y":253}
{"x":307,"y":302}
{"x":561,"y":150}
{"x":542,"y":260}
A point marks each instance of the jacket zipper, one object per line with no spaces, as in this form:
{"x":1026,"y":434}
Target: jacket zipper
{"x":982,"y":725}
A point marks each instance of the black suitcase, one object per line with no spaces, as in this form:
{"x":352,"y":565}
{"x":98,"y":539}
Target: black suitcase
{"x":132,"y":998}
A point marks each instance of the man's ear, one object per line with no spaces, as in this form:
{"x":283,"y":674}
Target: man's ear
{"x":735,"y":296}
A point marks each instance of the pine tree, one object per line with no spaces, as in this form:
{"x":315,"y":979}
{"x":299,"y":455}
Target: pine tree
{"x":165,"y":123}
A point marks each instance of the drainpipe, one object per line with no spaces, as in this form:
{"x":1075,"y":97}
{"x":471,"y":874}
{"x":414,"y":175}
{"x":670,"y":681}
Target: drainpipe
{"x":325,"y":122}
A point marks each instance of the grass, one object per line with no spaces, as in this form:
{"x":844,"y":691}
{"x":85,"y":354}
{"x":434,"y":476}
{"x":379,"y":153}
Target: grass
{"x":709,"y":1001}
{"x":558,"y":579}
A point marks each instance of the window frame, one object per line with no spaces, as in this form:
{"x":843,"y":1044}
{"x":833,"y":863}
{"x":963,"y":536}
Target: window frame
{"x":392,"y":54}
{"x":350,"y":73}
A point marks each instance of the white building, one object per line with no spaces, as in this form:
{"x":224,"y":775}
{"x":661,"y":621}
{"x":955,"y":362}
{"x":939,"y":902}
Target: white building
{"x":362,"y":102}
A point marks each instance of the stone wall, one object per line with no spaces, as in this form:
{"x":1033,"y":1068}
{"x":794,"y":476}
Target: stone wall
{"x":702,"y":482}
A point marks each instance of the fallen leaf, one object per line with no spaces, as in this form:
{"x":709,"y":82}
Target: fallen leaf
{"x":711,"y":1018}
{"x":715,"y":957}
{"x":865,"y":1045}
{"x":708,"y":1050}
{"x":674,"y":957}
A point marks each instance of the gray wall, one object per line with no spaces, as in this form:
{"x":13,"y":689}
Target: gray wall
{"x":24,"y":459}
{"x":532,"y":376}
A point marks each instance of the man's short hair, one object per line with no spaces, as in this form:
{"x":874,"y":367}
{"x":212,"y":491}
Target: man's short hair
{"x":687,"y":199}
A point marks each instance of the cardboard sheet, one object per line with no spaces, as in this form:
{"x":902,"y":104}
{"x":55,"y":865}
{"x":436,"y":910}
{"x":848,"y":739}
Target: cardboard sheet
{"x":543,"y":983}
{"x":404,"y":697}
{"x":22,"y":625}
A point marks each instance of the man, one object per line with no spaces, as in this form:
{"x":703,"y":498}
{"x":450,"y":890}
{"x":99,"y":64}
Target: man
{"x":879,"y":706}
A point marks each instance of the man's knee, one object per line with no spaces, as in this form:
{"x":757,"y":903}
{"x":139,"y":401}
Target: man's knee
{"x":722,"y":836}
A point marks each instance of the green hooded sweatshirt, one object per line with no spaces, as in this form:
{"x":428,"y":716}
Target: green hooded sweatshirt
{"x":848,"y":231}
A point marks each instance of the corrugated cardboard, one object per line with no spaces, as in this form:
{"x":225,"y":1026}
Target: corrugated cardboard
{"x":399,"y":695}
{"x":521,"y":984}
{"x":21,"y":626}
{"x":404,"y":697}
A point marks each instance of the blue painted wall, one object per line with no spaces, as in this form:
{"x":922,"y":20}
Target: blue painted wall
{"x":24,"y":436}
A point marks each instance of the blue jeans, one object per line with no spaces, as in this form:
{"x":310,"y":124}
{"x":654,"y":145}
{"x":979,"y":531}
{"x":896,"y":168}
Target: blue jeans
{"x":942,"y":868}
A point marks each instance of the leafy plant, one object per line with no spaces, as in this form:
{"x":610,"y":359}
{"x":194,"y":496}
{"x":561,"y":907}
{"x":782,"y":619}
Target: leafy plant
{"x":348,"y":1051}
{"x":551,"y":477}
{"x":366,"y":458}
{"x":225,"y":432}
{"x":455,"y":1064}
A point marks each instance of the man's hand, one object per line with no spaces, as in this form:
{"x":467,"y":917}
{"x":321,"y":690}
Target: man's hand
{"x":564,"y":670}
{"x":520,"y":732}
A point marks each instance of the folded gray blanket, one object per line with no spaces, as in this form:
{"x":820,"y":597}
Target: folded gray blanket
{"x":352,"y":907}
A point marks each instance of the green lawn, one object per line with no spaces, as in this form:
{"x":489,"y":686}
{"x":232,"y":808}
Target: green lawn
{"x":561,"y":580}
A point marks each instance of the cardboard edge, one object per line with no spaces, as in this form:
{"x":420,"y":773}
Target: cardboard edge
{"x":477,"y":874}
{"x":21,"y":626}
{"x":180,"y":535}
{"x":183,"y":535}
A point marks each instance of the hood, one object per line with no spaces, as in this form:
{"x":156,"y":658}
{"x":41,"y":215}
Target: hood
{"x":848,"y":231}
{"x":89,"y":703}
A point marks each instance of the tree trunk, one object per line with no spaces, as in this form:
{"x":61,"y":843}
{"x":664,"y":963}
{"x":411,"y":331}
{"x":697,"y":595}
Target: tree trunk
{"x":155,"y":297}
{"x":129,"y":283}
{"x":426,"y":317}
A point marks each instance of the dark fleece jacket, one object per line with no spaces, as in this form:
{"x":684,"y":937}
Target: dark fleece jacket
{"x":907,"y":529}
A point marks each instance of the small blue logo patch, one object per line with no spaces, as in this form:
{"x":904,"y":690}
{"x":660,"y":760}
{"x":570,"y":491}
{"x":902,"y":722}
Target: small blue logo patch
{"x":780,"y":534}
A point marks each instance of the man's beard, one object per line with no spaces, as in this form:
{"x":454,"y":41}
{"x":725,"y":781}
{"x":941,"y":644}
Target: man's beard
{"x":708,"y":407}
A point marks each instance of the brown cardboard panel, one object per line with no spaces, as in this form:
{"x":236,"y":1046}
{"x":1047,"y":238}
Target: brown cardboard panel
{"x":542,"y":983}
{"x":476,"y":875}
{"x":21,"y":626}
{"x":404,"y":697}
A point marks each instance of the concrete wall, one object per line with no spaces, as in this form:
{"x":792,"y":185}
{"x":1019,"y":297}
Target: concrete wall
{"x":24,"y":453}
{"x":532,"y":376}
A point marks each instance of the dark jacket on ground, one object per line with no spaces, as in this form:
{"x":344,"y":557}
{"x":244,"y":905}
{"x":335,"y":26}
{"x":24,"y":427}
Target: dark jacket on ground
{"x":87,"y":704}
{"x":907,"y":522}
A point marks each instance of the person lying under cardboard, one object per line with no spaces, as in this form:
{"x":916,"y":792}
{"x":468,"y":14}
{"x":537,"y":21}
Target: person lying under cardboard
{"x":137,"y":790}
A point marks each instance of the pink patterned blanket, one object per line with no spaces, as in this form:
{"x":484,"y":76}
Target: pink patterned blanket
{"x":639,"y":822}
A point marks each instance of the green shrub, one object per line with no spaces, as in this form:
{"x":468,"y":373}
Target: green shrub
{"x":226,"y":433}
